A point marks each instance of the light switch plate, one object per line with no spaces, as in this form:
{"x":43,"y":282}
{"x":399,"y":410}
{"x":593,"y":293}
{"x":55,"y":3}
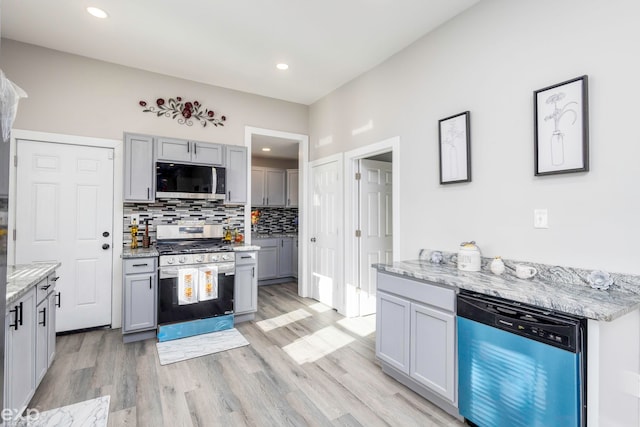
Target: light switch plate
{"x":540,"y":218}
{"x":136,"y":217}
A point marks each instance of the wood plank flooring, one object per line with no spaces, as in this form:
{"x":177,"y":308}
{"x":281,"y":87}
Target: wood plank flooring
{"x":306,"y":366}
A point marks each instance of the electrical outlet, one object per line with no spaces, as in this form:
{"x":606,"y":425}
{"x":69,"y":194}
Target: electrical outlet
{"x":540,"y":218}
{"x":135,"y":217}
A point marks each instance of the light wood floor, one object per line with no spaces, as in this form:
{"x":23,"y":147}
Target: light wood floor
{"x":306,"y":365}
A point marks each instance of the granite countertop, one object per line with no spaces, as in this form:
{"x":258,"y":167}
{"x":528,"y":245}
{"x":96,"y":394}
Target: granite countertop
{"x":21,"y":278}
{"x":577,"y":299}
{"x":245,"y":248}
{"x":258,"y":236}
{"x":140,"y":252}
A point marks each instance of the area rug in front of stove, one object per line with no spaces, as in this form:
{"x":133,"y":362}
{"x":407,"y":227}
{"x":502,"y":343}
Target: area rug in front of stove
{"x":199,"y":345}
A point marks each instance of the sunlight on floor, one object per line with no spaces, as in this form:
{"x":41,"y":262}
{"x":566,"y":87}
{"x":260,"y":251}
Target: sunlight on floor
{"x":362,"y":326}
{"x":312,"y":347}
{"x":319,"y":307}
{"x":283,"y":320}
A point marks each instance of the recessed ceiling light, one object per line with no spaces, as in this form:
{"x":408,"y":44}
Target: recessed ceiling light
{"x":97,"y":12}
{"x":266,"y":149}
{"x":282,"y":66}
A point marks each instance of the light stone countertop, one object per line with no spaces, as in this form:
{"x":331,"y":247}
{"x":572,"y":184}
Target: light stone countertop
{"x":140,"y":252}
{"x":21,"y":278}
{"x":546,"y":292}
{"x":258,"y":236}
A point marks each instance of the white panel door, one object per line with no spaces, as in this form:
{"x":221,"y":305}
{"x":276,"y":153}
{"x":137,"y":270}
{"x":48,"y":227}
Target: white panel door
{"x":375,"y":215}
{"x":326,"y":215}
{"x":64,"y":212}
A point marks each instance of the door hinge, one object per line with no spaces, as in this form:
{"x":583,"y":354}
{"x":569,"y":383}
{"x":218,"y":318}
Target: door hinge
{"x":14,"y":234}
{"x":358,"y":233}
{"x":358,"y":176}
{"x":15,"y":161}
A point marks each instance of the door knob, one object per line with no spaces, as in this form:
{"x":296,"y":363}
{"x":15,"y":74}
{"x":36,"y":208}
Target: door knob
{"x":105,"y":234}
{"x":313,"y":239}
{"x":105,"y":246}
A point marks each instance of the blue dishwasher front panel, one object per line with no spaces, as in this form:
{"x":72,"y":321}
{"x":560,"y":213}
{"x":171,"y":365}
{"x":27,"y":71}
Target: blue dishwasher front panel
{"x":506,"y":380}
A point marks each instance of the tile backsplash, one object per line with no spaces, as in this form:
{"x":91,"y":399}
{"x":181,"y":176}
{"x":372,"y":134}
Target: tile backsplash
{"x":277,"y":220}
{"x":170,"y":211}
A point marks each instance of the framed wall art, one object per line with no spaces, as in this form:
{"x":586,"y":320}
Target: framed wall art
{"x":455,"y":148}
{"x":561,"y":131}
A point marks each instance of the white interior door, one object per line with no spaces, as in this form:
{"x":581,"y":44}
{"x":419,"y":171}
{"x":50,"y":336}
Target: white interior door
{"x":326,"y":219}
{"x":64,"y":212}
{"x":375,"y":244}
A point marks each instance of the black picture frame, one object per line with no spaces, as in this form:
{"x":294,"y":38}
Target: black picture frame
{"x":561,"y":145}
{"x":454,"y":148}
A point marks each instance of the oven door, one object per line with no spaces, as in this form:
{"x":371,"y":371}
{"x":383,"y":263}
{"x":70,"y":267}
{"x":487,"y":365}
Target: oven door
{"x":169,"y":311}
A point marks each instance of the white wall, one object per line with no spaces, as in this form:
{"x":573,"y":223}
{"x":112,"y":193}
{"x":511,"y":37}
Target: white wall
{"x":74,"y":95}
{"x":489,"y":60}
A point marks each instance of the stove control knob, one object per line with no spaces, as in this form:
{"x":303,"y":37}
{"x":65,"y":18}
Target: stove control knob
{"x":182,"y":259}
{"x":226,"y":257}
{"x":215,"y":258}
{"x":170,"y":260}
{"x":199,"y":258}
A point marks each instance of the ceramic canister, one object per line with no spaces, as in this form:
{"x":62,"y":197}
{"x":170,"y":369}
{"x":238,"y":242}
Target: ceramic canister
{"x":469,"y":257}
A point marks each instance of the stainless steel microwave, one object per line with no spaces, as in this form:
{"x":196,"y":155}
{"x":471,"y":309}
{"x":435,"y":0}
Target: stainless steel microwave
{"x":183,"y":181}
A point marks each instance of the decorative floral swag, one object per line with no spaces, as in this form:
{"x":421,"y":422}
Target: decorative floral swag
{"x":184,"y":112}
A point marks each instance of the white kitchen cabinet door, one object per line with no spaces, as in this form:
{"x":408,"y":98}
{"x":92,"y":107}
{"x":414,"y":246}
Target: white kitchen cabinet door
{"x":20,"y":352}
{"x":207,"y":153}
{"x":169,"y":149}
{"x":393,"y":331}
{"x":236,"y":170}
{"x":275,"y":187}
{"x":433,"y":354}
{"x":292,"y":188}
{"x":139,"y":169}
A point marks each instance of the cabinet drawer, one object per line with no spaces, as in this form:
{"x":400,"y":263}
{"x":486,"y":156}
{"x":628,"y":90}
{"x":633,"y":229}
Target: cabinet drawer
{"x":416,"y":290}
{"x":139,"y":265}
{"x":44,"y":288}
{"x":244,"y":258}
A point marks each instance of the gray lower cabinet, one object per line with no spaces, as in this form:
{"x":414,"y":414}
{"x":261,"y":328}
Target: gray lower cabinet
{"x":140,"y":299}
{"x":416,"y":335}
{"x":236,"y":171}
{"x":20,"y":353}
{"x":245,"y":302}
{"x":139,"y":171}
{"x":268,"y":260}
{"x":276,"y":262}
{"x":45,"y":326}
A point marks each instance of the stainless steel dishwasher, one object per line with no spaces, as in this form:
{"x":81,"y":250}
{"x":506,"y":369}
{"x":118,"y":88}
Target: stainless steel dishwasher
{"x":519,"y":365}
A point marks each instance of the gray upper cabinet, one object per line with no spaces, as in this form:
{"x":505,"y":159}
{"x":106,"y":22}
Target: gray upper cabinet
{"x":236,"y":170}
{"x":268,"y":187}
{"x":138,"y":168}
{"x":292,"y":188}
{"x":179,"y":150}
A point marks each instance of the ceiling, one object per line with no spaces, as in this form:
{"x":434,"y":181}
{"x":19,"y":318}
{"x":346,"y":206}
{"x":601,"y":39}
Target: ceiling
{"x":235,"y":43}
{"x":281,"y":148}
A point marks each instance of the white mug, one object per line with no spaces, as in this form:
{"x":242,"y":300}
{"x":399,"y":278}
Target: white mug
{"x":525,"y":271}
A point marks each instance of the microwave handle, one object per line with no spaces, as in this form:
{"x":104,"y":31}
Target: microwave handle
{"x":214,"y":180}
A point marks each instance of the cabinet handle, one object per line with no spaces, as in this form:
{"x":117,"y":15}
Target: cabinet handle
{"x":44,"y":288}
{"x":288,"y":201}
{"x":188,"y":144}
{"x":59,"y":300}
{"x":229,"y":197}
{"x":14,"y":325}
{"x":267,"y":200}
{"x":55,"y":279}
{"x":253,"y":272}
{"x":140,"y":265}
{"x":195,"y":149}
{"x":282,"y":243}
{"x":21,"y":313}
{"x":245,"y":256}
{"x":44,"y":317}
{"x":148,"y":191}
{"x":149,"y":282}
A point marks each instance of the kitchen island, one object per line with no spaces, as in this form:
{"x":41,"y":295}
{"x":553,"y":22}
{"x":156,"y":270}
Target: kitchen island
{"x":425,"y":290}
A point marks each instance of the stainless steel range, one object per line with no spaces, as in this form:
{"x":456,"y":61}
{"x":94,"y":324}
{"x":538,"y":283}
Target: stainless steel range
{"x":196,"y":274}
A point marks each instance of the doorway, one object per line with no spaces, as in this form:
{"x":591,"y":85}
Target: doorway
{"x":372,"y":220}
{"x":294,"y":149}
